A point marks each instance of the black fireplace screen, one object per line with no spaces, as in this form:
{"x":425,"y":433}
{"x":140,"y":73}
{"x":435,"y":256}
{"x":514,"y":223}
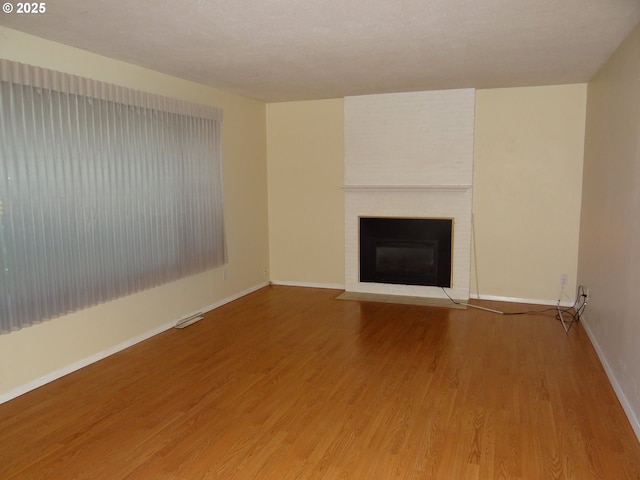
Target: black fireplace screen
{"x":409,"y":251}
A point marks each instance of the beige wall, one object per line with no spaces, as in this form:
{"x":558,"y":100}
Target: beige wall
{"x":305,"y":145}
{"x":527,"y":188}
{"x":38,"y":352}
{"x":609,"y":261}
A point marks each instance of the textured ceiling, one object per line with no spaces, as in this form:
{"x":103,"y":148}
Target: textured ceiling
{"x":279,"y":50}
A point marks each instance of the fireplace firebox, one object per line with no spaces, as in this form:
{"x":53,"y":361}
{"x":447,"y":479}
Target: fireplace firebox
{"x":407,"y":251}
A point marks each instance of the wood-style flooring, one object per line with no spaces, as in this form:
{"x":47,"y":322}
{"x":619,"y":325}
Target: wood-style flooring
{"x":290,"y":383}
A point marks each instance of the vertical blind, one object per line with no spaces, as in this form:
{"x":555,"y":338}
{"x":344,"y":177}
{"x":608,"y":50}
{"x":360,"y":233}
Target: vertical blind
{"x":104,"y":192}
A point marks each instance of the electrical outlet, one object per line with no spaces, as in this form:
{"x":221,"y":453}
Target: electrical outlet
{"x":586,"y":292}
{"x":564,"y":279}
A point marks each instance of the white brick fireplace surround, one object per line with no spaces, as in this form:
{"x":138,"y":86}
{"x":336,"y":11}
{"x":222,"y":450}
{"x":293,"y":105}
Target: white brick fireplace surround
{"x":410,"y":155}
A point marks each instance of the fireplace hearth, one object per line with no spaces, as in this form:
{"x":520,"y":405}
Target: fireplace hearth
{"x":406,"y":251}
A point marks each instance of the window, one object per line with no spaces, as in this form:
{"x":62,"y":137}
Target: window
{"x":104,"y":192}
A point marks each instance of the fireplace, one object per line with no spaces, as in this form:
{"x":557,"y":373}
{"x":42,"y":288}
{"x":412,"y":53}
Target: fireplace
{"x":409,"y":156}
{"x":406,"y":251}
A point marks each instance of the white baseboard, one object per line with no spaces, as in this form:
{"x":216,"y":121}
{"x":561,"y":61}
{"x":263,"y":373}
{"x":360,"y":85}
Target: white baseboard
{"x":331,"y":286}
{"x":226,"y":300}
{"x":631,"y":415}
{"x":67,"y":369}
{"x":339,"y":286}
{"x":530,"y":301}
{"x":61,"y":372}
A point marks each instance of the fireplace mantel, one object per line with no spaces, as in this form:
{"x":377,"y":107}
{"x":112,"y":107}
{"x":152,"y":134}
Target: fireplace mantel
{"x":406,"y":188}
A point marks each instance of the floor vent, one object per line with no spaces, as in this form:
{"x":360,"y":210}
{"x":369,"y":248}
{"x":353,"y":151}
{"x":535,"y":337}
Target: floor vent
{"x":185,"y":322}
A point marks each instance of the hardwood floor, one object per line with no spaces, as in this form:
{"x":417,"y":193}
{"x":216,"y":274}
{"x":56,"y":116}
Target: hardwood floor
{"x":290,"y":383}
